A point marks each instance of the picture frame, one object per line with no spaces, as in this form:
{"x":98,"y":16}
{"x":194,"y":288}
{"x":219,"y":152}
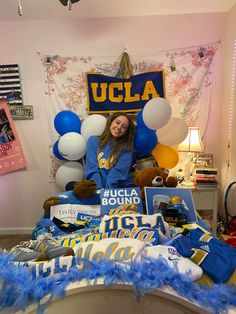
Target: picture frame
{"x":161,"y":199}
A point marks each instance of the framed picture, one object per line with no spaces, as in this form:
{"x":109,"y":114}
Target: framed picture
{"x":175,"y":204}
{"x":11,"y":153}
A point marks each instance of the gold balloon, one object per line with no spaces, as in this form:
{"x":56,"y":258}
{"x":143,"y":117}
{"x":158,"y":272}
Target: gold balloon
{"x":166,"y":156}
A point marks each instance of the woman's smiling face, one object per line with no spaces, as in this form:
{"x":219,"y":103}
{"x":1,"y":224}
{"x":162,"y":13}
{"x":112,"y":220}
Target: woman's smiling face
{"x":119,"y":126}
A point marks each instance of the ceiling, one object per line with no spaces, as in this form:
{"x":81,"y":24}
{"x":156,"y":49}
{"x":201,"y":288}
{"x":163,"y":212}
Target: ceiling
{"x":53,"y":9}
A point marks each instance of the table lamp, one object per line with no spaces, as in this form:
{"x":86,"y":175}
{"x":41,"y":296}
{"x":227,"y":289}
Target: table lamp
{"x":192,"y":144}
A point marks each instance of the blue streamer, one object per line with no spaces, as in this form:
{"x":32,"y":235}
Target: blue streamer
{"x":18,"y":290}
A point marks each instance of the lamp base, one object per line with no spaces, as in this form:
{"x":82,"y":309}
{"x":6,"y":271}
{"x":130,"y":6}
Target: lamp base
{"x":187,"y":184}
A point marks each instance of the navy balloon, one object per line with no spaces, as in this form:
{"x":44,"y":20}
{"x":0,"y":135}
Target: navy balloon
{"x":67,"y":121}
{"x":56,"y":151}
{"x":145,"y":140}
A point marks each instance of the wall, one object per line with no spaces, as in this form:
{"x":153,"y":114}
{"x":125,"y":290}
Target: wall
{"x":228,"y":131}
{"x":23,"y":192}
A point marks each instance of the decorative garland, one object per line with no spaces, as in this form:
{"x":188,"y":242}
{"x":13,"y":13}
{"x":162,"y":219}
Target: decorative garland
{"x":18,"y":290}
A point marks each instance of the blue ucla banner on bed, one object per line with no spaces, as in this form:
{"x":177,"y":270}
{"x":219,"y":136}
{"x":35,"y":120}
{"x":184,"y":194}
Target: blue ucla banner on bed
{"x":109,"y":94}
{"x":113,"y":198}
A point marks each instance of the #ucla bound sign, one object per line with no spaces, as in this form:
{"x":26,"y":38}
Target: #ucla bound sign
{"x":110,"y":94}
{"x":113,"y":198}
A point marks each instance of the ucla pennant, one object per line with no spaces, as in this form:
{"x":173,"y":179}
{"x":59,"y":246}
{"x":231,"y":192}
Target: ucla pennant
{"x":109,"y":94}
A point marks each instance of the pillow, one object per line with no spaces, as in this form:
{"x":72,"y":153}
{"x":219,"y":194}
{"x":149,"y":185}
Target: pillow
{"x":175,"y":260}
{"x":116,"y":222}
{"x":110,"y":249}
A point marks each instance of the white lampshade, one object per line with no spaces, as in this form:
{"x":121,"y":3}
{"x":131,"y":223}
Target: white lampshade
{"x":192,"y":143}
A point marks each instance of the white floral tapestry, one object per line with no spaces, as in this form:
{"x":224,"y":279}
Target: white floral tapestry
{"x":189,"y":80}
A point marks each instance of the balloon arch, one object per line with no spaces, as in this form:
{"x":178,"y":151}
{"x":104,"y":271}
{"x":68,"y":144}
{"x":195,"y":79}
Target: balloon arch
{"x":153,"y":122}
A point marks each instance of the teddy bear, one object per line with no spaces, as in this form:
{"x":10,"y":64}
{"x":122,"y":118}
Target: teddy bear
{"x":154,"y":176}
{"x":83,"y":192}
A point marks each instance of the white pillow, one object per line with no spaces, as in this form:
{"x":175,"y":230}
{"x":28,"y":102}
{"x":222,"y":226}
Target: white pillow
{"x":116,"y":249}
{"x":175,"y":260}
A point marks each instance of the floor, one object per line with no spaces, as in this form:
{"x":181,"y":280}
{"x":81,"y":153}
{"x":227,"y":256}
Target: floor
{"x":7,"y":241}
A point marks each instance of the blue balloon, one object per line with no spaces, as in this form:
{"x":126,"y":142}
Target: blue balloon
{"x":56,"y":151}
{"x":140,"y":123}
{"x":139,"y":120}
{"x":145,"y":140}
{"x":67,"y":121}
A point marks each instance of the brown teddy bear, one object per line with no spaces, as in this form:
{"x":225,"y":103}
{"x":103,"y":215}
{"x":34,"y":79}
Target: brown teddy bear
{"x":81,"y":190}
{"x":154,"y":176}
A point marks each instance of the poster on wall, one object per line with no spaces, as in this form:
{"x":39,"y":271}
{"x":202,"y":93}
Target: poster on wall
{"x":10,"y":84}
{"x":11,"y":153}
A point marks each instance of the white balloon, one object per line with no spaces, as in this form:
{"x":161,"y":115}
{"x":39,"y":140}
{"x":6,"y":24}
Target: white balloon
{"x":173,"y":133}
{"x":67,"y":172}
{"x":72,"y":146}
{"x":156,"y":113}
{"x":93,"y":125}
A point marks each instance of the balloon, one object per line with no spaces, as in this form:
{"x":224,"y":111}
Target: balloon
{"x":72,"y":146}
{"x":67,"y":172}
{"x":156,"y":113}
{"x":67,"y":121}
{"x":173,"y":133}
{"x":165,"y":156}
{"x":144,"y":140}
{"x":56,"y":151}
{"x":139,"y":120}
{"x":93,"y":125}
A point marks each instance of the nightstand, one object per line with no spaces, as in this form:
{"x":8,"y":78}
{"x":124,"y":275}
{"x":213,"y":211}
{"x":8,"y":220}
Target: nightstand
{"x":206,"y":199}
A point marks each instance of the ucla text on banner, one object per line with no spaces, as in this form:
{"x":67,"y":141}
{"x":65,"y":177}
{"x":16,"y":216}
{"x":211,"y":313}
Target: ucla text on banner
{"x":113,"y":198}
{"x":109,"y":94}
{"x":11,"y":153}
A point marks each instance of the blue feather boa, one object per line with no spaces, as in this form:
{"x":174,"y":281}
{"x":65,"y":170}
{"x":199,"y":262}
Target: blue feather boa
{"x":18,"y":290}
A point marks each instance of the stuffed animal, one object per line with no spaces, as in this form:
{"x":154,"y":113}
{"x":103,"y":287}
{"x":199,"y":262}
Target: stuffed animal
{"x":154,"y":176}
{"x":83,"y":190}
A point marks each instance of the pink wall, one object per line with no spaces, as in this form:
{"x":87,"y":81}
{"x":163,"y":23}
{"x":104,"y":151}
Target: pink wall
{"x":23,"y":192}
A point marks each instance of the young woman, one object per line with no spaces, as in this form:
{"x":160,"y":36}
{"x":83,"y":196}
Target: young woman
{"x":110,"y":156}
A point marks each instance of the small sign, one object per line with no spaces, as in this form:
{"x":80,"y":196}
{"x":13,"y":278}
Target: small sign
{"x":113,"y":198}
{"x":22,"y":112}
{"x":69,"y":212}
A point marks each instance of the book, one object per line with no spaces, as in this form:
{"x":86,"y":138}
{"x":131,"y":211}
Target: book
{"x":206,"y":171}
{"x":205,"y":181}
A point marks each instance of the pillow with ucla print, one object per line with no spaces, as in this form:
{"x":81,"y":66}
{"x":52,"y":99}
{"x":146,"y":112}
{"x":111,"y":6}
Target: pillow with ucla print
{"x":146,"y":235}
{"x":121,"y":212}
{"x":116,"y":222}
{"x":123,"y":209}
{"x":110,"y":249}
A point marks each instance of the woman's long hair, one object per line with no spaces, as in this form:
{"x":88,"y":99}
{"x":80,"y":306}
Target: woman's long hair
{"x":123,"y":143}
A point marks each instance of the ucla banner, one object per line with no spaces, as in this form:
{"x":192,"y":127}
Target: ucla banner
{"x":109,"y":94}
